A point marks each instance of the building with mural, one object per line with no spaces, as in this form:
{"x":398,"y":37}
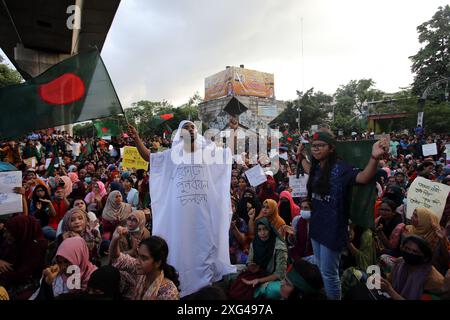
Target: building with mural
{"x":246,"y":94}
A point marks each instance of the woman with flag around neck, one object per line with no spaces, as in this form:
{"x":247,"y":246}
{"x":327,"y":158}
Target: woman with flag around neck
{"x":329,"y":186}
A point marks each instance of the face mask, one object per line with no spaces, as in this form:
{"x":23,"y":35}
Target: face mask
{"x":134,"y":181}
{"x":88,"y":180}
{"x":306,"y":214}
{"x":412,"y":259}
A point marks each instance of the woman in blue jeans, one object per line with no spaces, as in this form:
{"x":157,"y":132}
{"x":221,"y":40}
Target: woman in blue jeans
{"x":329,"y":183}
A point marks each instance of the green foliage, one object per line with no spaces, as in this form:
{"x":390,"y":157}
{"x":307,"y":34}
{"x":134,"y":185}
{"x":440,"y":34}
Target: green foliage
{"x":8,"y":76}
{"x":350,"y":106}
{"x":314,"y":107}
{"x":432,"y":62}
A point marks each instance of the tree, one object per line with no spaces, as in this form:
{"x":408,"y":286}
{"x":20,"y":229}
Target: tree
{"x":432,"y":62}
{"x":314,"y":107}
{"x":8,"y":76}
{"x":351,"y":103}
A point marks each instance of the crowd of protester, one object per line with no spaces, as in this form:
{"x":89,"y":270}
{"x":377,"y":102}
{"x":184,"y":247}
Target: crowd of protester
{"x":83,"y":211}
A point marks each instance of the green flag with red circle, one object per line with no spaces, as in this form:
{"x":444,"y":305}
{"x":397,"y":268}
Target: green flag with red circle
{"x":74,"y":90}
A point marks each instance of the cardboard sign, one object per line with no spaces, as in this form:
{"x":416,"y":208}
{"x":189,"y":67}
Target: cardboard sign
{"x":256,"y":176}
{"x":429,"y":149}
{"x":132,"y":159}
{"x":298,"y":186}
{"x":427,"y":194}
{"x":10,"y":202}
{"x":30,"y":162}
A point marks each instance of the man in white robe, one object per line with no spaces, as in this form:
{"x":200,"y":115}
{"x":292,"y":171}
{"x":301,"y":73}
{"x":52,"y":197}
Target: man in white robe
{"x":191,"y":205}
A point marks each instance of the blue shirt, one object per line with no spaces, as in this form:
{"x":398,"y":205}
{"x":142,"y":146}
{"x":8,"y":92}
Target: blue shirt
{"x":330,"y":213}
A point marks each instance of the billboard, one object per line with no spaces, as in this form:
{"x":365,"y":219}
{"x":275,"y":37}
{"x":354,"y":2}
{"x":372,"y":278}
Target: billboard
{"x":241,"y":82}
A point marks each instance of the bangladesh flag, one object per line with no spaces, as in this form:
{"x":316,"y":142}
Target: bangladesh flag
{"x":156,"y":121}
{"x":106,"y":128}
{"x":76,"y":89}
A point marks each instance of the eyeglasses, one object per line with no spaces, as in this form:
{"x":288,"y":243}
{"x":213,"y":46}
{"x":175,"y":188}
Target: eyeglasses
{"x":318,"y":145}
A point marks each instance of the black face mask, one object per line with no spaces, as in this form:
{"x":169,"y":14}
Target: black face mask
{"x":412,"y":259}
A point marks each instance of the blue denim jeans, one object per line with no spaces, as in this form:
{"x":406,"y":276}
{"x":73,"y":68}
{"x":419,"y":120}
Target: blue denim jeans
{"x":328,"y":262}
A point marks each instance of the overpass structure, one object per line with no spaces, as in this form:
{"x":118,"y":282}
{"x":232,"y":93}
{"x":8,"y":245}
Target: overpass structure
{"x":37,"y":34}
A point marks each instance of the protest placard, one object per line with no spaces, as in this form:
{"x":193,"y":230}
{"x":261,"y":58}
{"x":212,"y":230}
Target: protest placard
{"x":429,"y":149}
{"x":132,"y":159}
{"x":298,"y":185}
{"x":256,"y":176}
{"x":427,"y":194}
{"x":30,"y":162}
{"x":47,"y":163}
{"x":10,"y":202}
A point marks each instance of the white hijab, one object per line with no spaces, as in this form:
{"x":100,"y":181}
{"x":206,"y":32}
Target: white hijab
{"x":200,"y":141}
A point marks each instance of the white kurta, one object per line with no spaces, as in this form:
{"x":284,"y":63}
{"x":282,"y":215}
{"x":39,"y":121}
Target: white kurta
{"x":191,"y":209}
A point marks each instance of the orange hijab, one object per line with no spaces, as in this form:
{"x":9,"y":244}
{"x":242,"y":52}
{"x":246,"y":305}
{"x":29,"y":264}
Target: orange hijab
{"x":273,"y":216}
{"x":428,"y":222}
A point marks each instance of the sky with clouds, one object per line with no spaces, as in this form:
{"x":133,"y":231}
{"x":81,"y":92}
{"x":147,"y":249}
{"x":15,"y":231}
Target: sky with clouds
{"x":159,"y":50}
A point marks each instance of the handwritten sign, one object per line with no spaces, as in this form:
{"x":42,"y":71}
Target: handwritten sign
{"x":10,"y":202}
{"x":429,"y":149}
{"x":132,"y":159}
{"x":298,"y":186}
{"x":427,"y":194}
{"x":47,"y":163}
{"x":30,"y":162}
{"x":256,"y":176}
{"x":447,"y":151}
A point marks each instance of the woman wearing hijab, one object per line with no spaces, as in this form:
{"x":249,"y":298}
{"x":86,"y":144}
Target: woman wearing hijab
{"x":67,"y":185}
{"x":302,"y":282}
{"x":94,"y":198}
{"x":425,"y":224}
{"x":22,"y":256}
{"x":268,"y":190}
{"x":115,"y":212}
{"x":77,"y":222}
{"x":270,"y":210}
{"x":248,"y":202}
{"x":287,"y":208}
{"x":413,"y":274}
{"x":266,"y":263}
{"x":78,"y":187}
{"x":72,"y":252}
{"x":136,"y":233}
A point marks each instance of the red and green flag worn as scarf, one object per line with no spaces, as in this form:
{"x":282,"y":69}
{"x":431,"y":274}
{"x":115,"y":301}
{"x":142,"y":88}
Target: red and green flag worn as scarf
{"x":76,"y":89}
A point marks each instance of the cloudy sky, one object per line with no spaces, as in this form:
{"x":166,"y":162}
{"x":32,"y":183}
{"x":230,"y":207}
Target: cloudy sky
{"x":164,"y":49}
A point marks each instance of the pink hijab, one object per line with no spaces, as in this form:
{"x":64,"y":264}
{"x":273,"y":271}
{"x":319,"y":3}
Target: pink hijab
{"x":75,"y":250}
{"x":73,"y":177}
{"x":102,"y":188}
{"x":67,"y":185}
{"x":295,"y":209}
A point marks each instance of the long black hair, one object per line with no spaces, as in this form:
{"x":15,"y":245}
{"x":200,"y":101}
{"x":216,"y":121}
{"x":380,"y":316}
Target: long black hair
{"x":159,"y":251}
{"x":322,"y":187}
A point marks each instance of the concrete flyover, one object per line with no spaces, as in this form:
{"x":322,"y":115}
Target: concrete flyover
{"x":35,"y":35}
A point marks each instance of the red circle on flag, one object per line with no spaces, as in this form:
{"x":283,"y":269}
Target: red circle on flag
{"x":65,"y":89}
{"x":104,"y":130}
